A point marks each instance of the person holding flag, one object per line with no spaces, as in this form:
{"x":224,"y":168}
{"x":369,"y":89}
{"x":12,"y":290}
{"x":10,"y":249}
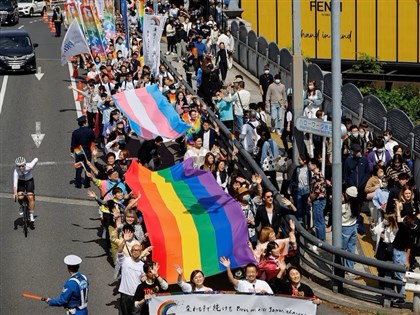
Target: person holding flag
{"x":82,"y":142}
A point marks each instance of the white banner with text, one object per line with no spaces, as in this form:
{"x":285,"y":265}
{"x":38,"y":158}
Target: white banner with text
{"x":230,"y":304}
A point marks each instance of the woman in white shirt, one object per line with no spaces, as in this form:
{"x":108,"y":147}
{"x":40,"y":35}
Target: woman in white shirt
{"x":196,"y":283}
{"x":312,"y":100}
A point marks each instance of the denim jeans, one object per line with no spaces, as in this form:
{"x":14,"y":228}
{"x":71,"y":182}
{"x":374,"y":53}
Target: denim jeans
{"x":239,"y":122}
{"x":399,"y":257}
{"x":348,"y":240}
{"x":277,"y":117}
{"x":301,"y":203}
{"x":318,"y":207}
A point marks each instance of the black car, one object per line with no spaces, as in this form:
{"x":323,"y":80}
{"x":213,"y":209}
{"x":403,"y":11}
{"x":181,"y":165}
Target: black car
{"x":9,"y":12}
{"x":17,"y":52}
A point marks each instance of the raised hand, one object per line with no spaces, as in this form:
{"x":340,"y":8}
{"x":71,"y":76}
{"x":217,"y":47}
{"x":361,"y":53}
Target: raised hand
{"x":92,"y":194}
{"x":179,"y":269}
{"x":225,"y":261}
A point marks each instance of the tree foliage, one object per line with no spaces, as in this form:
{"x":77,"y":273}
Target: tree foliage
{"x":406,"y":99}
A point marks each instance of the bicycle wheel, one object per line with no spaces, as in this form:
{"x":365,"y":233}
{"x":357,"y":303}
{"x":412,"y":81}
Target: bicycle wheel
{"x":25,"y":219}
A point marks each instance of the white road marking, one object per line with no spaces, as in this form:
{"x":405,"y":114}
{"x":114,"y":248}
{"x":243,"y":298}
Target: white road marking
{"x":46,"y":163}
{"x":73,"y":83}
{"x":64,"y":201}
{"x":3,"y":91}
{"x":21,"y":27}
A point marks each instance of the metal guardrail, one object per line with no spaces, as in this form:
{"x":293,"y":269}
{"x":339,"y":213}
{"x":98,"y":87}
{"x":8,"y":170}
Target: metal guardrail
{"x":335,"y":269}
{"x":254,"y":52}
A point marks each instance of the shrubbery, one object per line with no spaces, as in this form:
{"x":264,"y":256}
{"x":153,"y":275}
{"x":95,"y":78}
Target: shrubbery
{"x":406,"y":99}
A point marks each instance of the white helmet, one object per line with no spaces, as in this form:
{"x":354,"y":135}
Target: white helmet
{"x":20,"y":161}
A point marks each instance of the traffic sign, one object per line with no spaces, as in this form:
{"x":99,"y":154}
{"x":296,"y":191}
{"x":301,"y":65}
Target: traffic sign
{"x":316,"y":126}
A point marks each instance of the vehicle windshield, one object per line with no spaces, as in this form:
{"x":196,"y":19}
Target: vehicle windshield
{"x":5,"y":4}
{"x":12,"y":42}
{"x":25,"y":1}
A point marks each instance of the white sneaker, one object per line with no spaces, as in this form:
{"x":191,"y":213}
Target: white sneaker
{"x":278,"y":132}
{"x":273,"y":130}
{"x":173,"y":53}
{"x":167,"y":53}
{"x":31,"y":217}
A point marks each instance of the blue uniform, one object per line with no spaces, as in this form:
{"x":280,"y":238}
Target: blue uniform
{"x":74,"y":295}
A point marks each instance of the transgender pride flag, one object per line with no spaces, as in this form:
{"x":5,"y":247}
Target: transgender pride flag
{"x":150,"y":114}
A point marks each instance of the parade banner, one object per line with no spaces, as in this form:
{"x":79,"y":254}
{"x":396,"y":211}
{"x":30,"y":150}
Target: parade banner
{"x":95,"y":38}
{"x":191,"y":220}
{"x":152,"y":33}
{"x":140,"y":12}
{"x":72,"y":12}
{"x":109,"y":19}
{"x":124,"y":13}
{"x":100,"y":8}
{"x":216,"y":304}
{"x":74,"y":43}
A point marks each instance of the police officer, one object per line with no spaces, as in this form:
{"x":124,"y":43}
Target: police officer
{"x":74,"y":295}
{"x":83,"y":136}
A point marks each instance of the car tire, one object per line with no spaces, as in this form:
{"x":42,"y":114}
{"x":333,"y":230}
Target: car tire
{"x":31,"y":12}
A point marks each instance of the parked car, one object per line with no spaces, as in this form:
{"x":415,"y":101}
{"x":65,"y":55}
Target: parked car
{"x":17,"y":52}
{"x":9,"y":12}
{"x":31,"y":7}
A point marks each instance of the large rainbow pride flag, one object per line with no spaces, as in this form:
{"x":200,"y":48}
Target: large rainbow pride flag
{"x":150,"y":114}
{"x":191,"y":221}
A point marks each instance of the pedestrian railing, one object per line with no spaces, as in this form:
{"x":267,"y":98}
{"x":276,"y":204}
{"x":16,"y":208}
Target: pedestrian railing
{"x":254,"y":52}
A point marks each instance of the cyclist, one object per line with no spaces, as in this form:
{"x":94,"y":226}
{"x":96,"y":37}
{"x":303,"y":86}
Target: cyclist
{"x":23,"y":181}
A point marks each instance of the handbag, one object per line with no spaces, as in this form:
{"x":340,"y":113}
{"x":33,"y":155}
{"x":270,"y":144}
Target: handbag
{"x":269,"y":164}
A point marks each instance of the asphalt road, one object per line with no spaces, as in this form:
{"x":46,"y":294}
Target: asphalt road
{"x":66,"y":222}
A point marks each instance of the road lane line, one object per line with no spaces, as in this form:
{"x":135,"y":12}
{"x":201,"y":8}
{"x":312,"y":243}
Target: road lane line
{"x":3,"y":91}
{"x":73,"y":83}
{"x":64,"y":201}
{"x":20,"y":27}
{"x":44,"y":163}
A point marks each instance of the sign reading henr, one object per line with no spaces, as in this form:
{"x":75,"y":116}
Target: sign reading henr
{"x":322,"y":6}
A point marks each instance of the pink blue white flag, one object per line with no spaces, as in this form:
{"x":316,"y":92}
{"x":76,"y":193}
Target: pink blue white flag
{"x":150,"y":114}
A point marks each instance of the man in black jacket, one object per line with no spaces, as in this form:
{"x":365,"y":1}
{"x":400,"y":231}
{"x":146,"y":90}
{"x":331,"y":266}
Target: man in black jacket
{"x":148,"y":154}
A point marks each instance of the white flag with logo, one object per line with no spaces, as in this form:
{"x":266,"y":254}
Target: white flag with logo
{"x":153,"y":25}
{"x":74,"y":43}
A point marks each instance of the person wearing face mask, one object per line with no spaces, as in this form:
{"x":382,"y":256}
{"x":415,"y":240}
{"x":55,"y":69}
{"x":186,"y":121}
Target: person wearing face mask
{"x":356,"y":173}
{"x":354,"y":138}
{"x":389,"y":142}
{"x":373,"y":184}
{"x":312,"y":100}
{"x":395,"y":167}
{"x":265,"y":80}
{"x":378,"y":156}
{"x":243,"y":196}
{"x":276,"y":104}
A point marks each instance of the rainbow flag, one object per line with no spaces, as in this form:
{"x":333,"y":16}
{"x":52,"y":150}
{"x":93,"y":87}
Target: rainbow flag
{"x":79,"y":150}
{"x":191,"y":221}
{"x":150,"y":114}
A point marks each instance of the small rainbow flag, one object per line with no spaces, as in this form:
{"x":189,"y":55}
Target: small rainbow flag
{"x":191,"y":221}
{"x":79,"y":150}
{"x":78,"y":165}
{"x":232,"y":137}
